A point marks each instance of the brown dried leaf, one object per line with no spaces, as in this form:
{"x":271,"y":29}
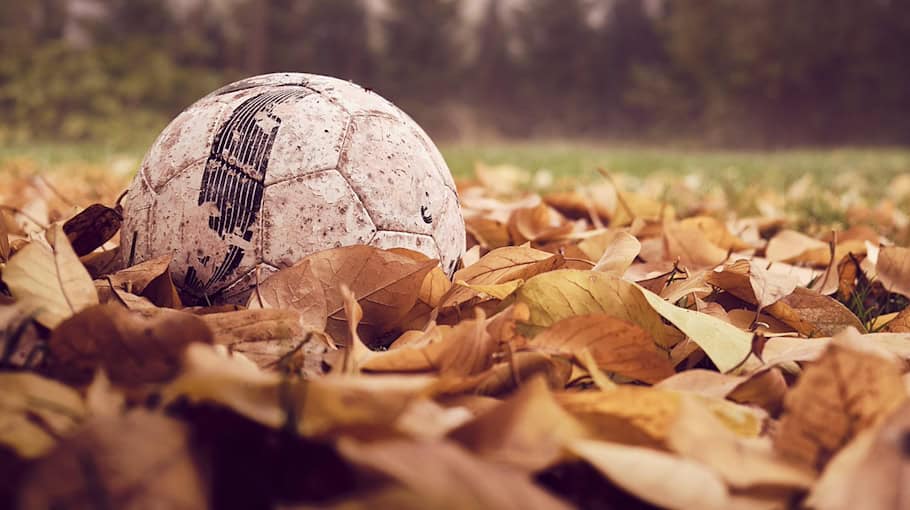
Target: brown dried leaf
{"x":654,"y":476}
{"x":690,"y":245}
{"x":270,"y":338}
{"x":716,"y":233}
{"x":141,"y":460}
{"x":618,"y":255}
{"x":616,"y":345}
{"x":131,"y":348}
{"x":871,"y":472}
{"x":232,"y":382}
{"x":92,"y":227}
{"x":900,"y":323}
{"x":527,"y":431}
{"x":504,"y":377}
{"x":150,"y":279}
{"x":296,"y":288}
{"x":489,"y":233}
{"x":537,"y":224}
{"x":893,"y":269}
{"x":461,"y":350}
{"x":788,"y":245}
{"x":499,"y":266}
{"x":51,"y":281}
{"x":837,"y":397}
{"x":386,"y":285}
{"x":454,"y":480}
{"x":812,"y":314}
{"x":752,"y":283}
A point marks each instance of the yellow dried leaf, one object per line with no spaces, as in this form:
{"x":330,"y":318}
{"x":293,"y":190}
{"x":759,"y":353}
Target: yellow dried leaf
{"x":556,"y":295}
{"x":50,"y":280}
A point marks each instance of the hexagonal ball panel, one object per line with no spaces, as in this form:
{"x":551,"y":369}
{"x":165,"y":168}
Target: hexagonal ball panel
{"x":311,"y":213}
{"x":394,"y":175}
{"x":310,"y":138}
{"x":449,"y":234}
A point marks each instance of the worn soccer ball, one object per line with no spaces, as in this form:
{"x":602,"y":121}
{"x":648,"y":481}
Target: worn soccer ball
{"x":262,"y":172}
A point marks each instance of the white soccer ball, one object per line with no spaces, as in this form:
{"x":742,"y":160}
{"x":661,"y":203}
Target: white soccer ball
{"x":262,"y":172}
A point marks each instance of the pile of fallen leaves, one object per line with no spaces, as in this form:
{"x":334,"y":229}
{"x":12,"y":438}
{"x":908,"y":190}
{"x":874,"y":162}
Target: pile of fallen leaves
{"x":596,"y":349}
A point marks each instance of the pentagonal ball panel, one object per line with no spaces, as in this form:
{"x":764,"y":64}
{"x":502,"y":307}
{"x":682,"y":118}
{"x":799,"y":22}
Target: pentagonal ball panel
{"x":355,"y":99}
{"x":311,"y":213}
{"x":186,"y":140}
{"x":392,"y":172}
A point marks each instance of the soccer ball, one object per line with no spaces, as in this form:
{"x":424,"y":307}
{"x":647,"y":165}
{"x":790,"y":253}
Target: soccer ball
{"x":262,"y":172}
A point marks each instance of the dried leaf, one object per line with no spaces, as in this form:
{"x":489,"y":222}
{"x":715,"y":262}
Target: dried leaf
{"x":788,"y":245}
{"x":150,"y":279}
{"x":870,"y":472}
{"x":385,"y":283}
{"x":813,"y":314}
{"x":51,"y":281}
{"x":837,"y":397}
{"x":689,"y":244}
{"x":616,"y":345}
{"x":270,"y":338}
{"x":296,"y":288}
{"x":92,"y":227}
{"x":654,"y":476}
{"x":726,"y":345}
{"x":488,"y":232}
{"x":231,"y":382}
{"x":893,"y":269}
{"x":900,"y":323}
{"x":618,"y":255}
{"x":35,"y":412}
{"x":131,"y":348}
{"x":556,"y":295}
{"x":527,"y":431}
{"x":480,"y":484}
{"x":141,"y":460}
{"x":461,"y":350}
{"x":500,"y":266}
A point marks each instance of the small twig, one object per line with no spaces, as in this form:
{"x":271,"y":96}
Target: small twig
{"x":57,"y":192}
{"x":29,"y":217}
{"x":619,"y":197}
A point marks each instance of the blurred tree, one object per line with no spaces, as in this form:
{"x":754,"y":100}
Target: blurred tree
{"x":493,"y":72}
{"x":322,"y":36}
{"x":627,"y":43}
{"x":557,"y":65}
{"x":419,"y":56}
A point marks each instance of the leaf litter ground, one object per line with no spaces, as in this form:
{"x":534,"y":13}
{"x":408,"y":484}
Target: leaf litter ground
{"x":601,"y":346}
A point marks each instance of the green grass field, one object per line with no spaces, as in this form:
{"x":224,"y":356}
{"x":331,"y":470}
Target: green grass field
{"x":571,"y":159}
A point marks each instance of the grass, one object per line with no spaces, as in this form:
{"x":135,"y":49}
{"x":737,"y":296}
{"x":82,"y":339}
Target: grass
{"x":782,"y":167}
{"x":876,"y":166}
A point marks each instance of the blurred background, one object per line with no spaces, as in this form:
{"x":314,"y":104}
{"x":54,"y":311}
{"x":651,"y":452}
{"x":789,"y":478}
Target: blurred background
{"x":754,"y":74}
